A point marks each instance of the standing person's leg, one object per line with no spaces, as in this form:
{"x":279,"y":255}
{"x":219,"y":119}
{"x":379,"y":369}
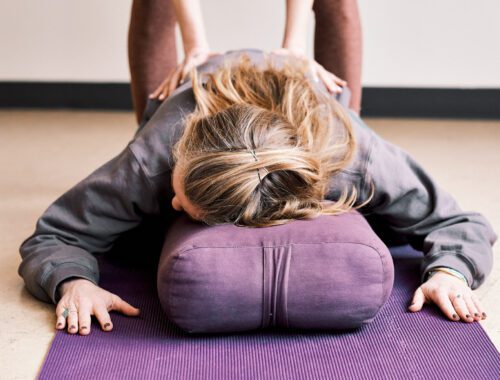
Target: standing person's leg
{"x":338,"y":42}
{"x":151,"y":48}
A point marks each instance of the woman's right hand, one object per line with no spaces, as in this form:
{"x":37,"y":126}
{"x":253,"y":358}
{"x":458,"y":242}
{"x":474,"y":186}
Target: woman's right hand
{"x":194,"y":58}
{"x":83,"y":299}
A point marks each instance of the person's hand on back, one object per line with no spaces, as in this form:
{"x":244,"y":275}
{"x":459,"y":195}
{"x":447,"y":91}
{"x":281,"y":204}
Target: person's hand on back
{"x":175,"y":77}
{"x":196,"y":49}
{"x":295,"y":41}
{"x":332,"y":83}
{"x":83,"y":299}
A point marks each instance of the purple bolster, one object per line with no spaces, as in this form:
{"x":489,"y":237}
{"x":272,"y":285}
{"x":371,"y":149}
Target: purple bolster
{"x":331,"y":272}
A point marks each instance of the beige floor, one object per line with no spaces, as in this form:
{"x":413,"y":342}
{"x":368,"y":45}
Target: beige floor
{"x":44,"y":153}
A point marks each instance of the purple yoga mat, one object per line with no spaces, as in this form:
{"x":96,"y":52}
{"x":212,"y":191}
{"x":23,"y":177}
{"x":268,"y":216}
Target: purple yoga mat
{"x":398,"y":344}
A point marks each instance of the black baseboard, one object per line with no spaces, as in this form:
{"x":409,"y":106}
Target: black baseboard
{"x":377,"y":101}
{"x":431,"y":102}
{"x":108,"y":96}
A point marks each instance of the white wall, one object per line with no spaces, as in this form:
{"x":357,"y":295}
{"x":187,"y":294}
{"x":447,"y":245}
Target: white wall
{"x":446,"y":43}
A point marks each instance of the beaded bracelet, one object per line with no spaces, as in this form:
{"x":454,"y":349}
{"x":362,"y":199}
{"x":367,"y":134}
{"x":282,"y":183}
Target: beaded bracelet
{"x":453,"y":272}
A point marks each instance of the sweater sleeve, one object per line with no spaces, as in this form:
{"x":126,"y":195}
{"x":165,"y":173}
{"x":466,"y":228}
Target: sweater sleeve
{"x":86,"y":219}
{"x":411,"y":203}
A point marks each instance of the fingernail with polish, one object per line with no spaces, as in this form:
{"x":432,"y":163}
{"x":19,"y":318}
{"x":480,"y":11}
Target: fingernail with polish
{"x":455,"y":316}
{"x":484,"y":315}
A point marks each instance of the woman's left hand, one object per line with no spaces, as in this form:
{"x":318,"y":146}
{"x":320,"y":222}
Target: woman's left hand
{"x":455,"y":299}
{"x":332,"y":82}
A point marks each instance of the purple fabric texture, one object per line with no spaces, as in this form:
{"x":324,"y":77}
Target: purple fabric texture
{"x":398,"y":344}
{"x":331,"y":272}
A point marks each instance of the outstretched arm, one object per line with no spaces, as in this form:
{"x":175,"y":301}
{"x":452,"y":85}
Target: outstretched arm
{"x":86,"y":219}
{"x":411,"y":203}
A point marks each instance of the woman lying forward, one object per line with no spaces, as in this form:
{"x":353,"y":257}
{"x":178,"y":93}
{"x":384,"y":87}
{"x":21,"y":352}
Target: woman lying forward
{"x":250,"y":139}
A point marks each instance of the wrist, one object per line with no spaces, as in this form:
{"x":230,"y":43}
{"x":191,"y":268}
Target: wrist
{"x":294,"y":46}
{"x":449,"y":271}
{"x":192,"y":49}
{"x":67,"y":283}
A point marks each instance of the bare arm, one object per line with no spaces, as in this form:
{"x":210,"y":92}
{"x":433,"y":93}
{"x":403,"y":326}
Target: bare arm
{"x":295,"y":42}
{"x":297,"y":14}
{"x":196,"y":49}
{"x":189,"y":16}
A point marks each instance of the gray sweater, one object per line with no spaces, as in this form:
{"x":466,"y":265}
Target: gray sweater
{"x":116,"y":197}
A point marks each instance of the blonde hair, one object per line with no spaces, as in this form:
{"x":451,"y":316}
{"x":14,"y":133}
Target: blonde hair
{"x":262,"y":145}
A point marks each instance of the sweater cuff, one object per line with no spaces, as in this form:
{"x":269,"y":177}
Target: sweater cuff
{"x":448,"y":270}
{"x":64,"y":271}
{"x":449,"y":260}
